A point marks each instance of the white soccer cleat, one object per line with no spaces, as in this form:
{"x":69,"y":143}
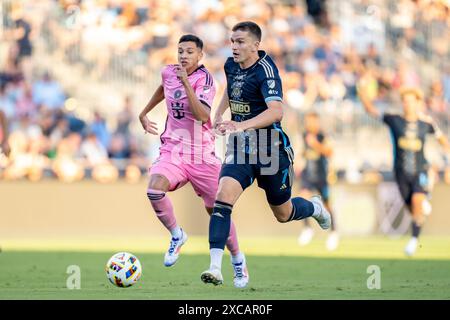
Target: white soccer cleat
{"x":333,"y":241}
{"x":305,"y":236}
{"x":411,"y":247}
{"x":213,"y":276}
{"x":172,"y":254}
{"x":323,"y":217}
{"x":241,"y":276}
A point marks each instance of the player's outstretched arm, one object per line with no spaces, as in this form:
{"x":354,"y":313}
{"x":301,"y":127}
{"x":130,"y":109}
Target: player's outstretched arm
{"x":157,"y":97}
{"x":440,"y":136}
{"x":366,"y":101}
{"x":443,"y":141}
{"x":199,"y":110}
{"x":273,"y":114}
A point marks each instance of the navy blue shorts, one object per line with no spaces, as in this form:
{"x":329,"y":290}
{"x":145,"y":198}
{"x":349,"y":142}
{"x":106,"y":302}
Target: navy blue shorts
{"x":316,"y":186}
{"x":277,"y":185}
{"x":408,"y":185}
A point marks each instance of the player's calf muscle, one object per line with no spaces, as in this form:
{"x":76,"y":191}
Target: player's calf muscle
{"x":282,"y":212}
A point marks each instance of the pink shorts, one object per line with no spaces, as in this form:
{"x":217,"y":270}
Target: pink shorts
{"x":204,"y":177}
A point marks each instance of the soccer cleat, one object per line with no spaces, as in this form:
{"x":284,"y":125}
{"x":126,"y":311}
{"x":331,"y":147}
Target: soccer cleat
{"x":411,"y":247}
{"x":333,"y":241}
{"x":323,"y":218}
{"x":241,"y":276}
{"x":172,"y":254}
{"x":213,"y":276}
{"x":305,"y":236}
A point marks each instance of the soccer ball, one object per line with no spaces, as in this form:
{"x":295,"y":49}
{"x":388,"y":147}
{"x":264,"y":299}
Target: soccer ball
{"x":123,"y":269}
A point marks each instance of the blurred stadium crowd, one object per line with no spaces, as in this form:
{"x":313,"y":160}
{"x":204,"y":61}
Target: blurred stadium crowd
{"x":61,"y":60}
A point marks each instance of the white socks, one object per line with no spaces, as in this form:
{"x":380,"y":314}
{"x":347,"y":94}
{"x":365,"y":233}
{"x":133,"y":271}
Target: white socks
{"x":237,"y":258}
{"x":176,"y":232}
{"x":317,"y":210}
{"x":216,"y":258}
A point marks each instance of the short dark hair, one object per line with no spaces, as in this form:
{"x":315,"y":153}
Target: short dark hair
{"x":190,"y":37}
{"x":249,"y":26}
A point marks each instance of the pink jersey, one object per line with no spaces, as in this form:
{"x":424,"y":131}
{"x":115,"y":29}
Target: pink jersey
{"x":183,"y":134}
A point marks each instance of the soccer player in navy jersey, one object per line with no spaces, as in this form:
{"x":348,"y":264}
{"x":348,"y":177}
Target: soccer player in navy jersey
{"x":314,"y":175}
{"x":408,"y":133}
{"x":258,"y":149}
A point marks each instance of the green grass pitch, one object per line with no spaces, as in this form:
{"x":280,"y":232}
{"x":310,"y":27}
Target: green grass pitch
{"x":310,"y":273}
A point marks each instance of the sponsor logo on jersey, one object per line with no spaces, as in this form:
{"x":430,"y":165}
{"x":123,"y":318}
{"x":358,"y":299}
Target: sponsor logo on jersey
{"x":177,"y":94}
{"x":236,"y":93}
{"x":411,"y":144}
{"x":239,"y":107}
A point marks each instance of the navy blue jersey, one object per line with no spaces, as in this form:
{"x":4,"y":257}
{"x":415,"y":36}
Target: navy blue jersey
{"x":249,"y":90}
{"x":316,"y":168}
{"x":408,"y":139}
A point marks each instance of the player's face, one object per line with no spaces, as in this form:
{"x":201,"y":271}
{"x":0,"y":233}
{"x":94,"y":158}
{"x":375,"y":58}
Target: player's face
{"x":189,"y":55}
{"x":243,"y":45}
{"x":312,"y":124}
{"x":411,"y":104}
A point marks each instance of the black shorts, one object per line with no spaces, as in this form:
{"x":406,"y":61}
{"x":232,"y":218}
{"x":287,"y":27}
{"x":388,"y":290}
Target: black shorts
{"x":408,"y":185}
{"x":316,"y":186}
{"x":276,"y":182}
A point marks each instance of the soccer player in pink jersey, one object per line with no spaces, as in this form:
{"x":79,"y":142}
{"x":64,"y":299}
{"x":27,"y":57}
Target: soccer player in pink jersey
{"x":187,"y":143}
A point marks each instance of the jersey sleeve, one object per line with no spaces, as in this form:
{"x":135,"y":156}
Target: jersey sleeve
{"x":227,"y":65}
{"x":388,"y":118}
{"x":205,"y":89}
{"x":165,"y":73}
{"x":270,"y":85}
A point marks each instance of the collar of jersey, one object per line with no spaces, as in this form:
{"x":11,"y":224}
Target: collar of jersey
{"x":199,"y":67}
{"x":262,"y":54}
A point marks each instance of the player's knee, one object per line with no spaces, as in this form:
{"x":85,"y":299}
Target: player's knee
{"x":282,"y":218}
{"x":417,"y":199}
{"x":158,"y":182}
{"x":229,"y":190}
{"x":417,"y":203}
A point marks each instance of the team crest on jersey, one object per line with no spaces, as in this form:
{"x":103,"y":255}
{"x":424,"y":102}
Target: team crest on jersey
{"x":236,"y":93}
{"x":271,"y":83}
{"x":177,"y":94}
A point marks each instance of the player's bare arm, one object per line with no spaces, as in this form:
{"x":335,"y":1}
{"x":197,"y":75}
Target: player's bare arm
{"x":443,"y":141}
{"x":323,"y":148}
{"x":223,"y":106}
{"x":274,"y":113}
{"x":157,"y":97}
{"x":4,"y":146}
{"x":199,"y":110}
{"x":440,"y":136}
